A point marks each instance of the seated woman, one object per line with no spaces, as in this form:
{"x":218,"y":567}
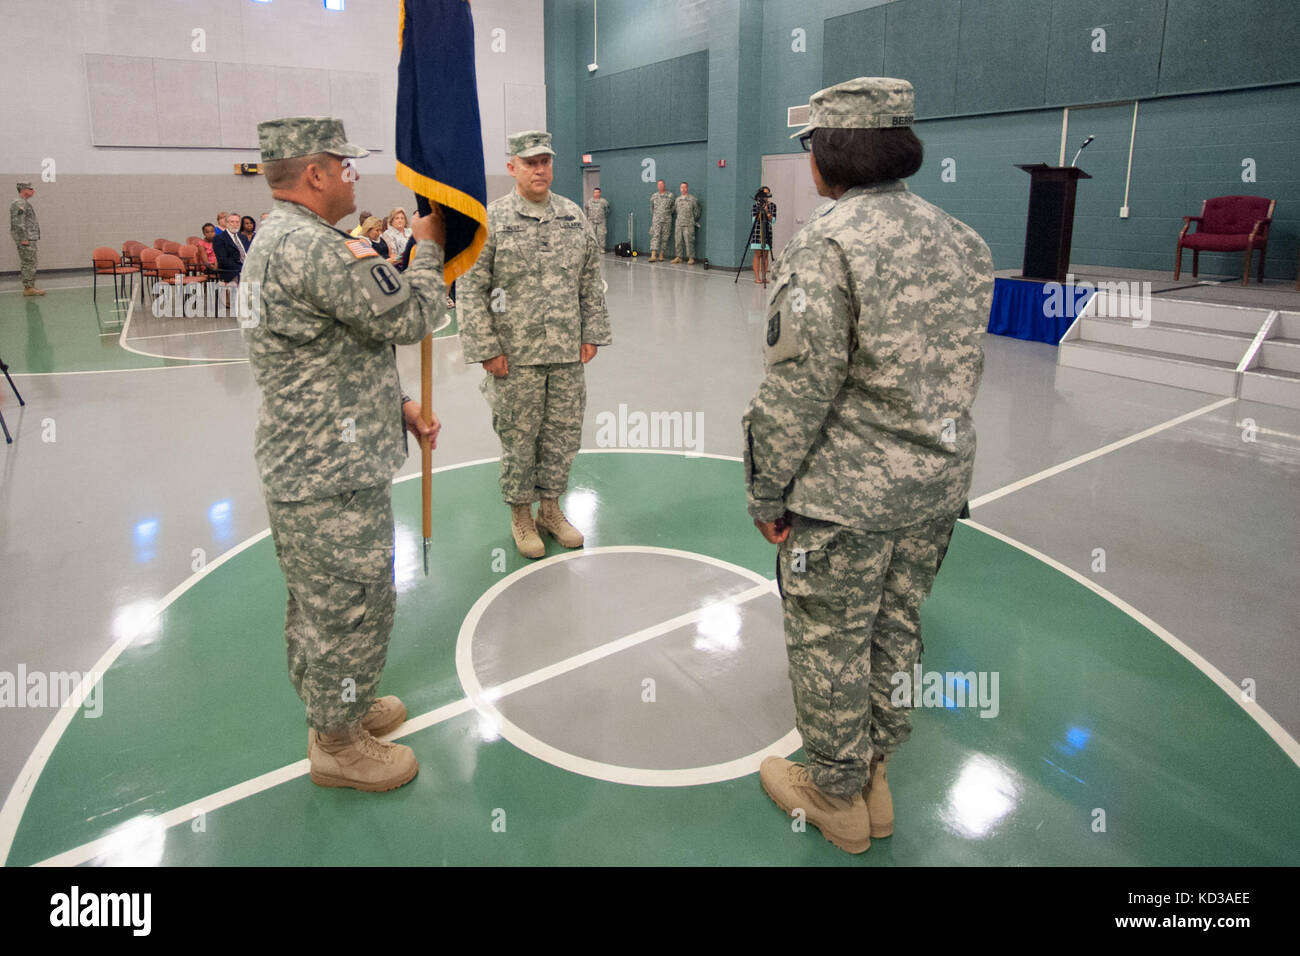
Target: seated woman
{"x":397,"y":235}
{"x":373,"y":229}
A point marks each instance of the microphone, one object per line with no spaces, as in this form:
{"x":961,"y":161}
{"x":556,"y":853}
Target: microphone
{"x":1075,"y":161}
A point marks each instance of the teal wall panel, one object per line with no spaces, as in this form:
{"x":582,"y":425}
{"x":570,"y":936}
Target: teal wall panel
{"x":921,"y":38}
{"x":1002,"y":55}
{"x":853,"y":45}
{"x":665,"y":102}
{"x":1129,"y":66}
{"x":1217,"y":44}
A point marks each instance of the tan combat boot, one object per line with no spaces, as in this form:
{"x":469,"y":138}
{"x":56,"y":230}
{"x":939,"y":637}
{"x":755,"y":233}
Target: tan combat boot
{"x":37,"y":291}
{"x":385,"y":715}
{"x":353,"y":758}
{"x":676,"y":259}
{"x":524,"y":531}
{"x":551,"y":520}
{"x":880,"y":805}
{"x":31,"y":290}
{"x":842,"y":820}
{"x":690,"y":262}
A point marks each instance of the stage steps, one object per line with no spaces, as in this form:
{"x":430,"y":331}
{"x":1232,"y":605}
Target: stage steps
{"x":1253,"y":354}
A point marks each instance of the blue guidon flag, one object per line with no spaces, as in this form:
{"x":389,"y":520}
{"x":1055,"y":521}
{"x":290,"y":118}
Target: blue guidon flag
{"x":439,"y":139}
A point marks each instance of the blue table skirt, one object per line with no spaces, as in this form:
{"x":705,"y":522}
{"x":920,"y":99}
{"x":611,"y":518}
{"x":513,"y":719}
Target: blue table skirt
{"x":1035,"y":311}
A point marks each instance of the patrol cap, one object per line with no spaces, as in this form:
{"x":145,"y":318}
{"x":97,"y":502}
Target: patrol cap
{"x":868,"y":102}
{"x":22,"y":186}
{"x":303,"y":136}
{"x":531,"y":142}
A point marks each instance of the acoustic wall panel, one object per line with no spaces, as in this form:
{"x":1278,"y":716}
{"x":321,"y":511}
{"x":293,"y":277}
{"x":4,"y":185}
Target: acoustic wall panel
{"x":242,"y":92}
{"x":123,"y":104}
{"x":301,"y":92}
{"x":853,"y":45}
{"x":1002,"y":57}
{"x":1213,"y":44}
{"x":920,"y":46}
{"x":1103,"y":50}
{"x":188,"y":111}
{"x":665,"y":102}
{"x":355,"y":99}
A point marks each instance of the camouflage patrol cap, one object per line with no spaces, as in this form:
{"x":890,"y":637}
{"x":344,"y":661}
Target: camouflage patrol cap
{"x":22,"y":186}
{"x":531,"y":142}
{"x":868,"y":102}
{"x":303,"y":136}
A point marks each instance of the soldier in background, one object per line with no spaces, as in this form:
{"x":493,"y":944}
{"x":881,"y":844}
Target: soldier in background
{"x":327,"y":311}
{"x":687,"y":208}
{"x":661,"y":221}
{"x":859,"y":444}
{"x":596,"y":209}
{"x":532,"y":311}
{"x":26,"y":232}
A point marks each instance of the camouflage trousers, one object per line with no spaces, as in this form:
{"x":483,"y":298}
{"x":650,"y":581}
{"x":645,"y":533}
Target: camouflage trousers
{"x":660,"y":232}
{"x":337,"y":557}
{"x":599,"y":229}
{"x":684,"y":239}
{"x":852,"y":620}
{"x":537,"y":413}
{"x":27,"y":263}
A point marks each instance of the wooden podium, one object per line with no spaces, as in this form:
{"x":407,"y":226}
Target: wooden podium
{"x":1051,"y":220}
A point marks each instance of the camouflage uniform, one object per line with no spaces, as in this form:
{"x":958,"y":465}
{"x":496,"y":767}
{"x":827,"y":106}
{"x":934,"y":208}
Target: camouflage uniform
{"x":861,"y":430}
{"x":330,"y":432}
{"x":661,"y":221}
{"x":687,"y":208}
{"x":535,"y":295}
{"x":23,"y":226}
{"x":596,"y":211}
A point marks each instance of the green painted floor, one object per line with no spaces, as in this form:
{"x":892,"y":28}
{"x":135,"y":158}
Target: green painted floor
{"x":1096,"y":714}
{"x":60,"y":332}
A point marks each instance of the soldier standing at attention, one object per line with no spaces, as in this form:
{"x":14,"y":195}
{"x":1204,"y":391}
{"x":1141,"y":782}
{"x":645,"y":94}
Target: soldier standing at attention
{"x":859,"y":444}
{"x":687,"y":208}
{"x":596,"y":210}
{"x":532,"y":311}
{"x":326,"y":315}
{"x":26,"y":232}
{"x":661,"y":221}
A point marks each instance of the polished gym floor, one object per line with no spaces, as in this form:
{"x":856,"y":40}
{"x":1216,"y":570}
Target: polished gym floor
{"x":1127,"y":579}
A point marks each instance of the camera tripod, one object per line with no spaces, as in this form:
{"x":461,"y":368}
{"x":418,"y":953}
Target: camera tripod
{"x":760,"y":228}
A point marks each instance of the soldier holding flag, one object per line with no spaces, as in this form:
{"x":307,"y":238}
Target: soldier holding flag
{"x":330,"y":437}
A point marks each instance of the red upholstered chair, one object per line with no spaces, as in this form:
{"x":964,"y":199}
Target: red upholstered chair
{"x":160,"y":244}
{"x":106,"y":263}
{"x":1228,"y":224}
{"x":148,"y":271}
{"x":131,"y":252}
{"x":172,"y":271}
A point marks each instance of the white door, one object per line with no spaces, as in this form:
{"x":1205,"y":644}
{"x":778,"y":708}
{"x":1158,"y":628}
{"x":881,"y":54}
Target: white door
{"x":790,"y":179}
{"x":590,"y":180}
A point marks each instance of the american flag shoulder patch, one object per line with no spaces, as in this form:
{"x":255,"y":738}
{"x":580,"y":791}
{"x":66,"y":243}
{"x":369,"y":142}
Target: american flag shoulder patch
{"x":361,"y":248}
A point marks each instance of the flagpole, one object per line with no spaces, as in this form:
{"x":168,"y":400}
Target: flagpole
{"x":426,"y":411}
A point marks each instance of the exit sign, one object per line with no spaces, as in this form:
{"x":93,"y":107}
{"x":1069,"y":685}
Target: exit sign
{"x":586,"y":157}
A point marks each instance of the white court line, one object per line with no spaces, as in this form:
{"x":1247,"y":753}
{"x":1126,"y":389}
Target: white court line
{"x":121,"y":341}
{"x":147,"y":368}
{"x":1252,"y":708}
{"x":233,"y":794}
{"x":1104,"y":450}
{"x":171,"y":335}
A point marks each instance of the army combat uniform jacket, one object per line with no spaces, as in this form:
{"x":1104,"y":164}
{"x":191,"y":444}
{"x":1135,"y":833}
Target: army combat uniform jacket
{"x":873,"y":359}
{"x":327,"y":311}
{"x":22,"y":222}
{"x":535,"y":294}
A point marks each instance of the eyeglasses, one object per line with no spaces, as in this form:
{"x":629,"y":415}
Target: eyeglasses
{"x":806,"y":142}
